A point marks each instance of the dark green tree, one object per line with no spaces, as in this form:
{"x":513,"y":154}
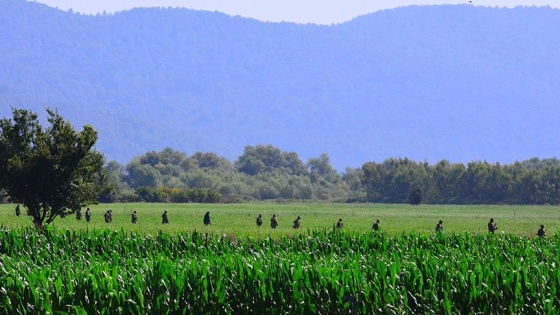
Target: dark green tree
{"x":415,"y":196}
{"x":140,"y":175}
{"x":212,"y":161}
{"x":320,"y":169}
{"x":149,"y":194}
{"x":374,"y":181}
{"x":352,"y":178}
{"x":53,"y":171}
{"x":261,"y":159}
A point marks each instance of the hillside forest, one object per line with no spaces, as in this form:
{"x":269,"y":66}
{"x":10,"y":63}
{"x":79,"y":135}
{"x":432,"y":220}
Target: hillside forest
{"x":264,"y":172}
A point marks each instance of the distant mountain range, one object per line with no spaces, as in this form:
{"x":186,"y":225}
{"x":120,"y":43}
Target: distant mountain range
{"x":461,"y":83}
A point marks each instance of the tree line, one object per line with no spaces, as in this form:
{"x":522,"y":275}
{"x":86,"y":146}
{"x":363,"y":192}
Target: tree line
{"x":55,"y":171}
{"x":264,"y":172}
{"x":532,"y":181}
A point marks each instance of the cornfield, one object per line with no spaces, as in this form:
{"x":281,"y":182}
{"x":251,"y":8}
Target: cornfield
{"x":317,"y":272}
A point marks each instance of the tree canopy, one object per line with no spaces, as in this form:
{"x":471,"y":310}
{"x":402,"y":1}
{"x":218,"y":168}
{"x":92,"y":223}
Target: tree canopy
{"x":262,"y":172}
{"x":265,"y":172}
{"x":532,"y":181}
{"x":53,"y":171}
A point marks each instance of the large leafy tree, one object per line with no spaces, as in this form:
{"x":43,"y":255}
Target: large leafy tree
{"x":51,"y":171}
{"x":269,"y":159}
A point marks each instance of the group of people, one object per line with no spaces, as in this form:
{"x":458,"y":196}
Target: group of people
{"x":134,"y":217}
{"x":492,"y":227}
{"x":88,"y":215}
{"x":274,"y":221}
{"x":297,"y":223}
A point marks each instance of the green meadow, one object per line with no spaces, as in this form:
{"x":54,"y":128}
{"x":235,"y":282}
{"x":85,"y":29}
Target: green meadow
{"x":239,"y":219}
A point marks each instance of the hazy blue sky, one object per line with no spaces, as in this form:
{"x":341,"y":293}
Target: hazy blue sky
{"x":300,"y":11}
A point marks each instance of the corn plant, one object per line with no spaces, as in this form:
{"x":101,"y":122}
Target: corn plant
{"x":319,"y":272}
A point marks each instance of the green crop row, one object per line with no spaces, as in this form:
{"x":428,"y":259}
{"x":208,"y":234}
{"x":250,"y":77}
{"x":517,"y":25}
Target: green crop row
{"x":318,"y":272}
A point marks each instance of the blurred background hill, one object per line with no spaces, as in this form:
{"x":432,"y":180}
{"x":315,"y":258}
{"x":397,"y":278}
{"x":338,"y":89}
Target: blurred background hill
{"x":460,"y":83}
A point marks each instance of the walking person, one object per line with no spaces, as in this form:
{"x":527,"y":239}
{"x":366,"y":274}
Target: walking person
{"x":164,"y":218}
{"x":273,"y":222}
{"x":297,"y":223}
{"x":88,"y":215}
{"x":439,"y":226}
{"x":339,"y":224}
{"x":18,"y":211}
{"x":375,"y":226}
{"x":259,"y":220}
{"x":542,"y":231}
{"x":492,"y":226}
{"x":134,"y":217}
{"x":207,"y":218}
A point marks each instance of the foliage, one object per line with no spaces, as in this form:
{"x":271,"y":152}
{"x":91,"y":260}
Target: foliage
{"x":281,"y":175}
{"x":319,"y":272}
{"x":274,"y":174}
{"x":164,"y":194}
{"x":52,"y":171}
{"x":266,"y":159}
{"x":415,"y":196}
{"x":533,"y":181}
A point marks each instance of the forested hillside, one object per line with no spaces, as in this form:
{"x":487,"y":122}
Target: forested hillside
{"x":459,"y":83}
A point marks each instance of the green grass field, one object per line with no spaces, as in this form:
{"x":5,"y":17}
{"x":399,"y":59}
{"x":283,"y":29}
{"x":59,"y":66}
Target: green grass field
{"x":138,"y":270}
{"x":240,"y":218}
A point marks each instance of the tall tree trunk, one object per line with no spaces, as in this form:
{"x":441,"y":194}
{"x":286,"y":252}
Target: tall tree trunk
{"x":35,"y":213}
{"x":38,"y":224}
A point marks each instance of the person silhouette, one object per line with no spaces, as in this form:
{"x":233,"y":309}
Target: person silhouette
{"x":375,"y":226}
{"x":492,"y":226}
{"x":439,"y":226}
{"x":296,"y":223}
{"x":339,"y":224}
{"x":273,"y":222}
{"x":88,"y":215}
{"x":207,"y":218}
{"x":542,"y":231}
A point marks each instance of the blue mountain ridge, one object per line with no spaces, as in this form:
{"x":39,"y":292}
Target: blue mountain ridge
{"x":454,"y":82}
